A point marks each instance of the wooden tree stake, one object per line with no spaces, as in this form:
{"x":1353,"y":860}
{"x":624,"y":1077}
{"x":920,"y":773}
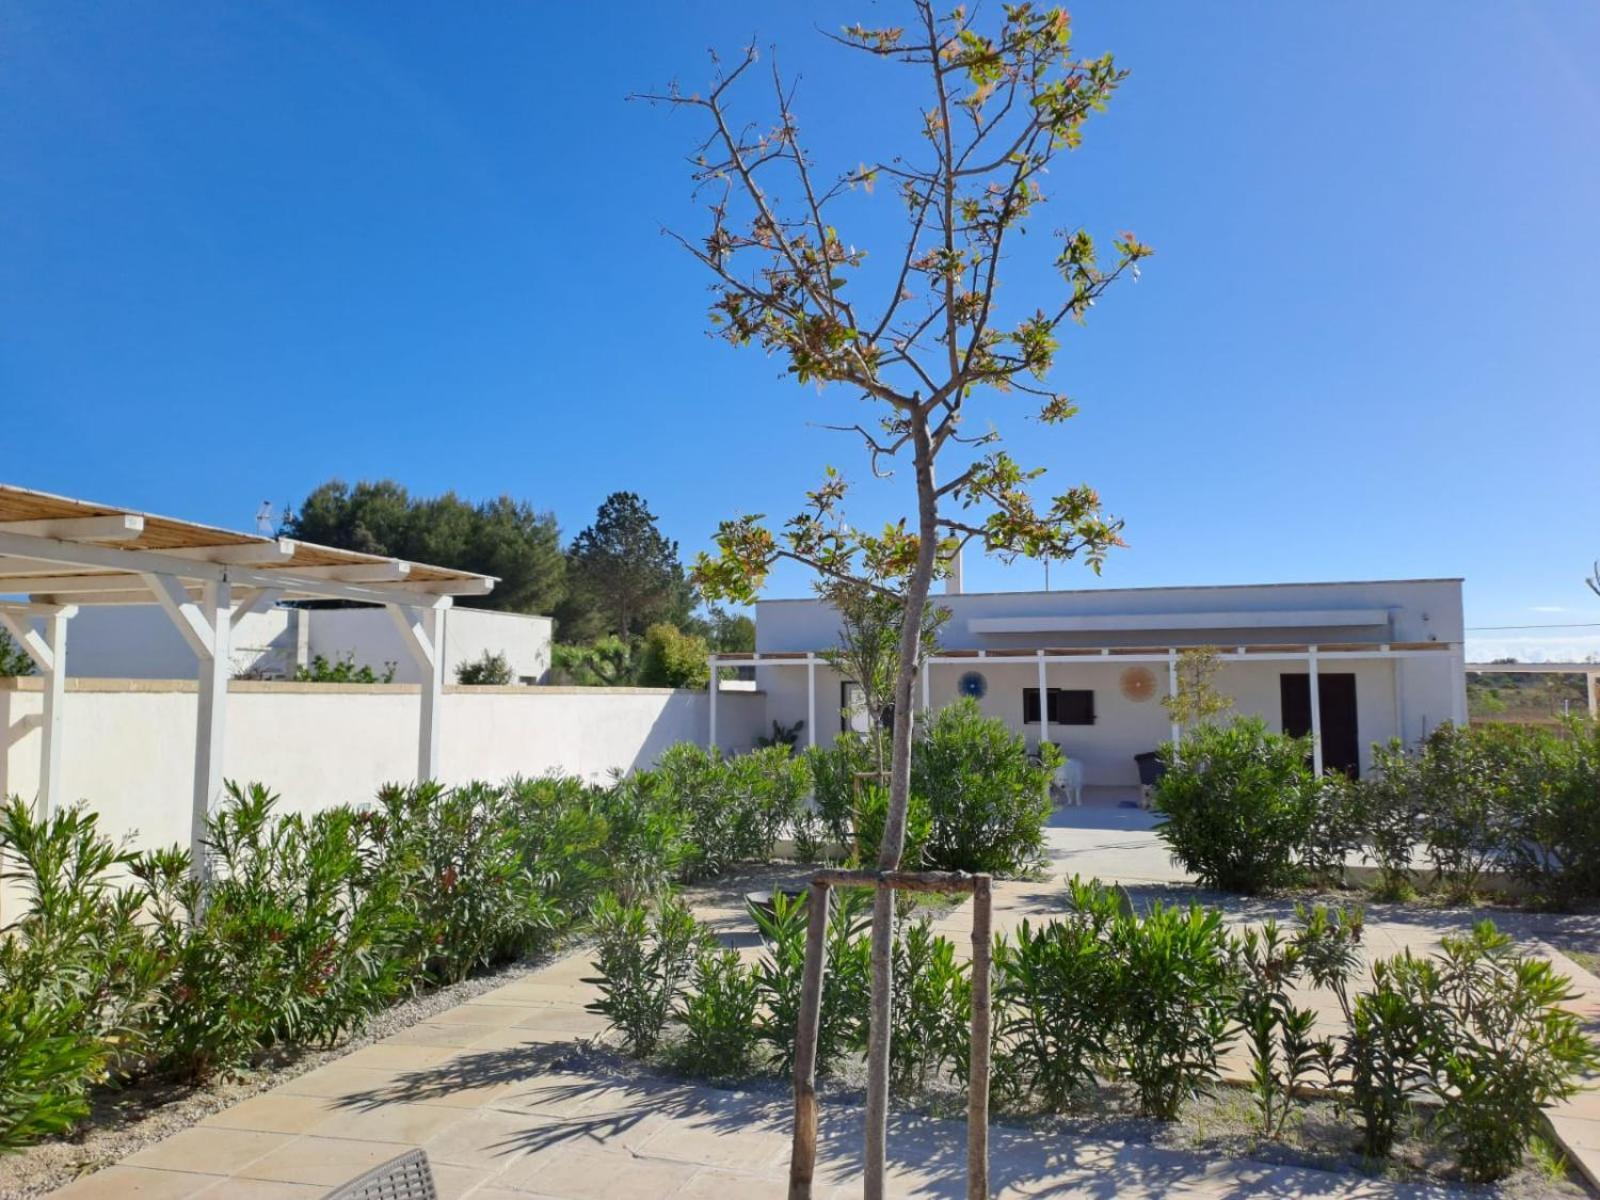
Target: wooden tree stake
{"x":978,"y":1073}
{"x":803,"y":1159}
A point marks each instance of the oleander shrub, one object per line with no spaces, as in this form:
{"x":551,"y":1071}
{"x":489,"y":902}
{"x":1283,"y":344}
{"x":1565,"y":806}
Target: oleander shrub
{"x":77,"y":971}
{"x":1505,"y":1046}
{"x":1454,"y":787}
{"x":719,"y":1014}
{"x":1387,"y":1052}
{"x":839,"y":773}
{"x":644,"y":955}
{"x":1239,"y":804}
{"x":1552,"y":808}
{"x":930,"y":1022}
{"x":1174,"y":1003}
{"x":734,"y":809}
{"x":1056,"y":988}
{"x":475,"y":898}
{"x":846,"y":985}
{"x":289,"y":939}
{"x":987,"y":803}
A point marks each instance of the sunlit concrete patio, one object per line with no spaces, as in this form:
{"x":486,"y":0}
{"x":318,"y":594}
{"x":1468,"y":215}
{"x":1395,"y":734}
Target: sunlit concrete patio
{"x":509,"y":1101}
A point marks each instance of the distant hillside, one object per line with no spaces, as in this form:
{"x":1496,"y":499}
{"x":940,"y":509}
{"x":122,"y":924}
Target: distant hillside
{"x":1525,"y":699}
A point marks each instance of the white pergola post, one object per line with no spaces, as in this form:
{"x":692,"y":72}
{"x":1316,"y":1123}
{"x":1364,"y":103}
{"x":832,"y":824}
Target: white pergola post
{"x":1044,"y":703}
{"x":711,"y":692}
{"x":1594,"y":695}
{"x":423,"y":631}
{"x":1316,"y":711}
{"x":49,"y":655}
{"x":207,"y":627}
{"x":811,"y":700}
{"x":925,"y":670}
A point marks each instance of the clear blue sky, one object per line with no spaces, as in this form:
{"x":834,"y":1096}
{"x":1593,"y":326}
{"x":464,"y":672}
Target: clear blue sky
{"x":246,"y":247}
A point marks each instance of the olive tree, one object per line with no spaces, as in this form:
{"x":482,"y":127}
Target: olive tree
{"x":924,"y":339}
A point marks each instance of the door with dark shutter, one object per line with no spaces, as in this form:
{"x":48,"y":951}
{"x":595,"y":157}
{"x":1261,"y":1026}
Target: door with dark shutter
{"x":1341,"y":738}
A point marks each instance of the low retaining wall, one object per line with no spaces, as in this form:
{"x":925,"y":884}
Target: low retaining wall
{"x":129,"y":744}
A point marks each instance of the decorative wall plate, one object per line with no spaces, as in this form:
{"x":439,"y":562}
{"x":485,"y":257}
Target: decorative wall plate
{"x":1138,"y":684}
{"x":973,"y":685}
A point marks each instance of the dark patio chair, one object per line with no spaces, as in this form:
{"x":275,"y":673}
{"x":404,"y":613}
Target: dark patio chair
{"x":405,"y":1177}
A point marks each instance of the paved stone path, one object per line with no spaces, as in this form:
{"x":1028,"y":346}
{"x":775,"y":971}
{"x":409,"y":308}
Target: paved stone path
{"x":508,"y":1103}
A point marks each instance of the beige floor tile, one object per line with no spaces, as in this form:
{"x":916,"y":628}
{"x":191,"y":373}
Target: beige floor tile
{"x":566,"y":1020}
{"x":707,"y":1145}
{"x":208,"y":1150}
{"x":135,"y":1183}
{"x":336,"y":1081}
{"x":489,"y":1139}
{"x":715,"y":1184}
{"x":318,"y":1160}
{"x":389,"y":1056}
{"x":261,"y":1189}
{"x":497,"y":1016}
{"x":457,"y":1035}
{"x":400,"y":1123}
{"x":454,"y":1182}
{"x":580,"y":1175}
{"x":273,"y":1112}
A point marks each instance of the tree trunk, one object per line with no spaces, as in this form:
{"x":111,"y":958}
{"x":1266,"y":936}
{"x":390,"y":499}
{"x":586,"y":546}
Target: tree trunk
{"x":894,"y":827}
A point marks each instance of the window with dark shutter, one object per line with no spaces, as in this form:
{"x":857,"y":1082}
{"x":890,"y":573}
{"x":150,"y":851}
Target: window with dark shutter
{"x":1068,"y":706}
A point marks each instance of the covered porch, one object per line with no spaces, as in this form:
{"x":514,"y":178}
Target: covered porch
{"x":1101,"y":705}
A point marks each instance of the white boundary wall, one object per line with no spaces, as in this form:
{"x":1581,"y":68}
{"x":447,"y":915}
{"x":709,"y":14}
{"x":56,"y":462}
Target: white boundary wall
{"x":129,"y":744}
{"x":138,"y":641}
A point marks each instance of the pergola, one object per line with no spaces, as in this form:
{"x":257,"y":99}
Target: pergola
{"x":57,"y":554}
{"x":1310,"y":655}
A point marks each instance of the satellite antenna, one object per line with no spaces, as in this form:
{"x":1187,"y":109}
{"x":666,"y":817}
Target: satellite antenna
{"x":266,"y":519}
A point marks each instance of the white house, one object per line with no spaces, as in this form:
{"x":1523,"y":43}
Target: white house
{"x":1352,"y":663}
{"x":140,"y":642}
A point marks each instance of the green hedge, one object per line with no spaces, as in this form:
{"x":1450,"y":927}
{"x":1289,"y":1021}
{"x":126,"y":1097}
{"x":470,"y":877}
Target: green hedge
{"x":1243,"y":811}
{"x":125,"y":965}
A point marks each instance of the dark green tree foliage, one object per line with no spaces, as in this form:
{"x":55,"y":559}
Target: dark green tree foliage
{"x":502,"y":537}
{"x":623,"y":575}
{"x":13,"y":659}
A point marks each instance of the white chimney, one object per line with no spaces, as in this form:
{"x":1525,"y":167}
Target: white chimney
{"x":952,"y":581}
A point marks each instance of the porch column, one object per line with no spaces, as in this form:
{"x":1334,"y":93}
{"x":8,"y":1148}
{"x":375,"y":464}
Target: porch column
{"x":1172,"y":690}
{"x":811,"y":700}
{"x":1395,"y":665}
{"x":1458,"y":688}
{"x":711,"y":693}
{"x":1044,"y":704}
{"x":49,"y":655}
{"x":423,"y":632}
{"x":1316,"y":712}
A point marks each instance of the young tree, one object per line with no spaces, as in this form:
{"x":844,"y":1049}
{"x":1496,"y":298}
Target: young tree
{"x":1594,"y":580}
{"x":1001,"y":103}
{"x":1197,"y":698}
{"x":624,"y":574}
{"x":868,"y":652}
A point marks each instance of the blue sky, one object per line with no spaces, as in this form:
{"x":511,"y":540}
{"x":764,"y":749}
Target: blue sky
{"x":244,"y":248}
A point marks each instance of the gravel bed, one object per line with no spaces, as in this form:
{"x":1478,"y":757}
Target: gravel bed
{"x":126,"y":1120}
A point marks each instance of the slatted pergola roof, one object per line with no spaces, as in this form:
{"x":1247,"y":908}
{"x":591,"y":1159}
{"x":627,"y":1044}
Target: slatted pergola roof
{"x":57,"y":553}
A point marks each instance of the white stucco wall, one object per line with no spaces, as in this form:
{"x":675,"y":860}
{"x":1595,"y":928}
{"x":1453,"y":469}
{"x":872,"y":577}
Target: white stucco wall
{"x":1422,"y":611}
{"x":140,"y":642}
{"x":371,"y":636}
{"x":129,"y":746}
